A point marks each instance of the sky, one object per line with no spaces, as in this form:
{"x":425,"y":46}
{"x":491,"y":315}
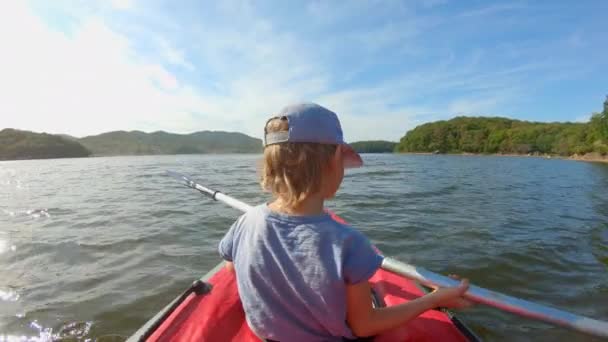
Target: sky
{"x":87,"y":67}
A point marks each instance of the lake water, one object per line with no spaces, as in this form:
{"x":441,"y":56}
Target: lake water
{"x":92,"y":248}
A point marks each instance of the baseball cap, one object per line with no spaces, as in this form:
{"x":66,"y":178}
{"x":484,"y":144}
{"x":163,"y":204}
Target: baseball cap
{"x":312,"y":123}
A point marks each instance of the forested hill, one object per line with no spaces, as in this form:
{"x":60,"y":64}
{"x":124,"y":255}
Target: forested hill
{"x":374,"y":146}
{"x":502,"y":135}
{"x":16,"y":144}
{"x":141,"y":143}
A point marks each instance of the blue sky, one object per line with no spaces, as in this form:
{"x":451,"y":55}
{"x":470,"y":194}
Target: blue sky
{"x":85,"y":67}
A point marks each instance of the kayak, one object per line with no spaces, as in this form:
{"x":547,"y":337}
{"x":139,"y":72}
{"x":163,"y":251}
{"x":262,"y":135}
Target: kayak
{"x":210,"y":310}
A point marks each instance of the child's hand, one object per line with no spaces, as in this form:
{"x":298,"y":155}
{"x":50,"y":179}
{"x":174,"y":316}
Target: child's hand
{"x":451,"y":297}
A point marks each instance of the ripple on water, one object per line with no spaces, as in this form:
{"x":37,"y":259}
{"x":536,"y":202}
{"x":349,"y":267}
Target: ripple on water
{"x":6,"y":245}
{"x":8,"y":295}
{"x":28,"y":213}
{"x":72,"y":331}
{"x":599,"y":243}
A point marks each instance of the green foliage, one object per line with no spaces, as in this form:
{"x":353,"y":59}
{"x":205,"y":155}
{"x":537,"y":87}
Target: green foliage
{"x":604,"y":121}
{"x":16,"y":144}
{"x":140,"y":143}
{"x":374,"y":146}
{"x":501,"y":135}
{"x":597,"y":139}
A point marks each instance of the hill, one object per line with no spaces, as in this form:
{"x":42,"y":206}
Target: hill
{"x":141,"y":143}
{"x":16,"y":144}
{"x":374,"y":146}
{"x":502,"y":135}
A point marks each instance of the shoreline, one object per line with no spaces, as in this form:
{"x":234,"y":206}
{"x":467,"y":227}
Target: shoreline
{"x":131,"y":155}
{"x":590,"y":157}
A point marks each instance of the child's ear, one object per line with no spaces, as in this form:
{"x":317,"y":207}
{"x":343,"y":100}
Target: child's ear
{"x":337,"y":159}
{"x":333,"y":161}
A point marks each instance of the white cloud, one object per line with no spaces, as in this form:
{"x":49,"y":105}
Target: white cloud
{"x":84,"y":83}
{"x":473,"y":107}
{"x":122,"y":4}
{"x":118,"y":70}
{"x":493,"y":9}
{"x":93,"y":80}
{"x":433,"y":3}
{"x":367,"y":114}
{"x":173,"y":55}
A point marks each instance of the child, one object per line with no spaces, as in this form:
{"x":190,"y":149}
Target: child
{"x":302,"y":276}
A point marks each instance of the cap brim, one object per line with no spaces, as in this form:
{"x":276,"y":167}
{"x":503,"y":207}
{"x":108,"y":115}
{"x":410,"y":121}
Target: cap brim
{"x":350,"y":157}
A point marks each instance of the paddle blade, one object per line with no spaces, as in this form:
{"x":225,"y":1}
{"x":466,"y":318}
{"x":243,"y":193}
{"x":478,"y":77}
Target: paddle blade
{"x":182,"y":178}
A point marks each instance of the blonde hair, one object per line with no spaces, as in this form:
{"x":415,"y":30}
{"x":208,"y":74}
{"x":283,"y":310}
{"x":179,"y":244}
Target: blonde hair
{"x":293,"y":171}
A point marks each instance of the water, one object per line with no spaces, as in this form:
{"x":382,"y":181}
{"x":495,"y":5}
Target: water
{"x":92,"y":248}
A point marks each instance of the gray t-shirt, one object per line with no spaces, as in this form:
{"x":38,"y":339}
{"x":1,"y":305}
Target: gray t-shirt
{"x":292,"y":273}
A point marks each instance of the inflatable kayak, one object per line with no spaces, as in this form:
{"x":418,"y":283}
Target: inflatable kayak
{"x":210,"y":310}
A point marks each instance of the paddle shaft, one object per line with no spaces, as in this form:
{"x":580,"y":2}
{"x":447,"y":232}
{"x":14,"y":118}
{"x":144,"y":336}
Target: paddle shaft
{"x":477,"y":294}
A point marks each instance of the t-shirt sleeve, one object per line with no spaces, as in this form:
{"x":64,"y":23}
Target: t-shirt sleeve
{"x":362,"y":259}
{"x":226,"y":246}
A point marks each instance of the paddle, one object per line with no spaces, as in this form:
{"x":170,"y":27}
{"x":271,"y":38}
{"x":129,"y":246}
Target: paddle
{"x":477,"y":294}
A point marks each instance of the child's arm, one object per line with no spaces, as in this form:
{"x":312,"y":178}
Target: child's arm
{"x":364,"y":320}
{"x":226,"y":245}
{"x":229,"y":266}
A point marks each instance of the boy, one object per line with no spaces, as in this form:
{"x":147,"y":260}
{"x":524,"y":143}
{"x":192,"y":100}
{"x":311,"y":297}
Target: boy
{"x":302,"y":276}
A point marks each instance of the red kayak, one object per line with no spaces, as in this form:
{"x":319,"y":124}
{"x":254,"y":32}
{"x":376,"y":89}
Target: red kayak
{"x":211,"y":311}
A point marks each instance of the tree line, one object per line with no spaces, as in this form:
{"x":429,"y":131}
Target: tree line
{"x":507,"y":136}
{"x":16,"y":144}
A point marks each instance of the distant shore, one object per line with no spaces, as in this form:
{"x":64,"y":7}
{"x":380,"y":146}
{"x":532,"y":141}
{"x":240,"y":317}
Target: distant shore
{"x":589,"y":157}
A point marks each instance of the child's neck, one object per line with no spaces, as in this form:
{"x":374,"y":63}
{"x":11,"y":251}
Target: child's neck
{"x":312,"y":205}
